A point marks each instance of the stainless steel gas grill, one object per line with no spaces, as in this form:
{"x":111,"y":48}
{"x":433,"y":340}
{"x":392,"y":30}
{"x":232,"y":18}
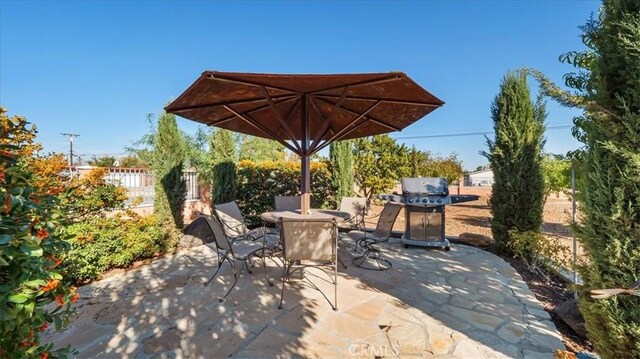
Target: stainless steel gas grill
{"x":424,"y":200}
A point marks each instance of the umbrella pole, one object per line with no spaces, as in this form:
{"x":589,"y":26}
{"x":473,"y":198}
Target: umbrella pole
{"x":305,"y":180}
{"x":305,"y":185}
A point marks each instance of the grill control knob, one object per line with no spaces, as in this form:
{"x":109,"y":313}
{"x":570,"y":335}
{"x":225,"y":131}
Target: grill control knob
{"x":425,"y":200}
{"x":431,"y":200}
{"x":439,"y":201}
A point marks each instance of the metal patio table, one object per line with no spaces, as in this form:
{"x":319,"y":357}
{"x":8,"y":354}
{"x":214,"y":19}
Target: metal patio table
{"x":273,"y":216}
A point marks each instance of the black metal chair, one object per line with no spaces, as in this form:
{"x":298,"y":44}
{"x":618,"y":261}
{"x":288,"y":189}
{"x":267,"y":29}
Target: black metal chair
{"x":234,"y":223}
{"x":235,"y":250}
{"x":368,"y":240}
{"x":310,"y":243}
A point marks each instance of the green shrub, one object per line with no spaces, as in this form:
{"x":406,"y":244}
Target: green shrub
{"x":100,"y":244}
{"x":259,"y":182}
{"x":32,"y":237}
{"x":539,"y":253}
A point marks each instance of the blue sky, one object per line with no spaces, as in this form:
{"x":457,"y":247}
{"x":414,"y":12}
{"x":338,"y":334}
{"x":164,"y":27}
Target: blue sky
{"x":98,"y":68}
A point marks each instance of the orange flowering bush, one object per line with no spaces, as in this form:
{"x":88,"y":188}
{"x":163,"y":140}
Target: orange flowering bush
{"x":33,"y":236}
{"x":91,"y":195}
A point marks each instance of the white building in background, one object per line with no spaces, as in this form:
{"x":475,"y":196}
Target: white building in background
{"x":482,"y":178}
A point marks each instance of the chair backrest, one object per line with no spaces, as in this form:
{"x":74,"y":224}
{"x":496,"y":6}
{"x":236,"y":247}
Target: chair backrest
{"x":355,"y":206}
{"x":286,"y":203}
{"x":309,"y":239}
{"x":387,"y":219}
{"x":232,"y":220}
{"x":219,"y":237}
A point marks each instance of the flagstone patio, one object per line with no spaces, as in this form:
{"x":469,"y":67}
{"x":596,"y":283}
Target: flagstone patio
{"x":465,"y":303}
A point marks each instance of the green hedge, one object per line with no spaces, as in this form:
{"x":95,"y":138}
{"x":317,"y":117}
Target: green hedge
{"x":101,"y":244}
{"x":259,"y":182}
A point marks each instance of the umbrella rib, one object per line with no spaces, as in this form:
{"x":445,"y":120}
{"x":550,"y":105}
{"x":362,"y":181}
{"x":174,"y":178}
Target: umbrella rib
{"x":284,"y":125}
{"x":250,"y":83}
{"x":346,"y":128}
{"x":344,"y":134}
{"x":257,"y":125}
{"x":213,"y":104}
{"x":361,"y":83}
{"x":373,"y":119}
{"x":288,"y":120}
{"x":252,"y":111}
{"x":384,"y":124}
{"x":400,"y":102}
{"x":327,"y":122}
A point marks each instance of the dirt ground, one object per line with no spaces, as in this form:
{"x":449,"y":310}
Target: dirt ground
{"x":475,"y":217}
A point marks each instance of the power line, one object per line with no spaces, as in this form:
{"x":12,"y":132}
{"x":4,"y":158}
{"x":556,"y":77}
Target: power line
{"x":103,"y":154}
{"x":467,"y":133}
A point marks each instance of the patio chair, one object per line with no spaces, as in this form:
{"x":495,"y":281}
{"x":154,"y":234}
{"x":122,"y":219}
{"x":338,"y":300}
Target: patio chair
{"x":234,"y":223}
{"x":368,"y":241}
{"x":286,"y":203}
{"x":310,"y":243}
{"x":356,"y":207}
{"x":233,"y":251}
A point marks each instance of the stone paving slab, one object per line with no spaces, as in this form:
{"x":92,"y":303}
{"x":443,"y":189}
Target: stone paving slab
{"x":464,"y":303}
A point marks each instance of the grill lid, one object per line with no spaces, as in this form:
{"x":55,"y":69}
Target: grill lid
{"x":435,"y":186}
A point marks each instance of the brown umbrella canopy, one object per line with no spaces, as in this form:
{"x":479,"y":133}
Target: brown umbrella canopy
{"x":305,"y":112}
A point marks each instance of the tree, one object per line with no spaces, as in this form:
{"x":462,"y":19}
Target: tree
{"x":143,"y":148}
{"x":197,"y":156}
{"x":418,"y":161}
{"x":379,"y":163}
{"x":259,"y":149}
{"x":133,"y":161}
{"x":222,"y":146}
{"x":607,"y":89}
{"x":170,"y":187}
{"x":449,"y":167}
{"x":557,"y":175}
{"x":104,"y":161}
{"x":223,"y":157}
{"x":515,"y":156}
{"x":341,"y":155}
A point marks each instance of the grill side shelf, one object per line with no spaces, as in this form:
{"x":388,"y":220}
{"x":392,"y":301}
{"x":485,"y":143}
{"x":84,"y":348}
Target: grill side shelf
{"x":459,"y":198}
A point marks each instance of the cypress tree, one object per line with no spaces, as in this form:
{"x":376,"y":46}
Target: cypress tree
{"x":341,"y":157}
{"x":610,"y":201}
{"x":223,"y":157}
{"x":170,"y":187}
{"x":516,"y":156}
{"x":415,"y":167}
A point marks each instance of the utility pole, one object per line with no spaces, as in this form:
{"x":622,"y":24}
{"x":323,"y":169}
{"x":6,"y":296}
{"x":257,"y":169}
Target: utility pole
{"x":71,"y":136}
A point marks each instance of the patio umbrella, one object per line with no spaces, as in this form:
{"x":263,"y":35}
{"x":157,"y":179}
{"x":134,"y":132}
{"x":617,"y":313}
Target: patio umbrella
{"x":305,"y":113}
